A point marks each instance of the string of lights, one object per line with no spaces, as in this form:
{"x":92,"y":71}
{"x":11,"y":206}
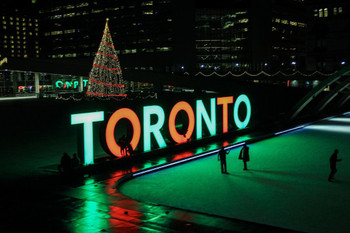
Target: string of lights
{"x":106,"y":79}
{"x":116,"y":98}
{"x":245,"y":73}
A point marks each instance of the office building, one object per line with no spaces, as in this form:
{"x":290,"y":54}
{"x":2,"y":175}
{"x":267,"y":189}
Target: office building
{"x":19,"y":31}
{"x":251,"y":35}
{"x":148,"y":35}
{"x":328,"y":34}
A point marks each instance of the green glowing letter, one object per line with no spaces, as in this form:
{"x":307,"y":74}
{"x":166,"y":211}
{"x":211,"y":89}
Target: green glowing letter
{"x":239,"y":123}
{"x":155,"y":129}
{"x":202,"y":113}
{"x":87,"y":119}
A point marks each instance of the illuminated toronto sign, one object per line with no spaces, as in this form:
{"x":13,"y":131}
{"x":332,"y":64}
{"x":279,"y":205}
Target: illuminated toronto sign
{"x":198,"y":120}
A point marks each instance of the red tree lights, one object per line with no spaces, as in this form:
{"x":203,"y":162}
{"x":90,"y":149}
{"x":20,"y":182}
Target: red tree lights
{"x":106,"y":79}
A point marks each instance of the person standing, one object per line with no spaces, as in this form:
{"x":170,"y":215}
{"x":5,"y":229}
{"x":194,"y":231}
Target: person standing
{"x":222,"y":158}
{"x":333,"y":164}
{"x":244,"y":155}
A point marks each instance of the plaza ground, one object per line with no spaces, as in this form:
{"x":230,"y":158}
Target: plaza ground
{"x":286,"y":185}
{"x":35,"y":198}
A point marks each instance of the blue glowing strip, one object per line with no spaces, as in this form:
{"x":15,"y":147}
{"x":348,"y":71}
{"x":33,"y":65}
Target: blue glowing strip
{"x":185,"y":160}
{"x":235,"y":145}
{"x":289,"y":130}
{"x":347,"y":113}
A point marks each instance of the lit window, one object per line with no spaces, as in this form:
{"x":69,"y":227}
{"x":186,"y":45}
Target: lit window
{"x":293,"y":23}
{"x":315,"y":13}
{"x":82,"y":4}
{"x":335,"y":11}
{"x":320,"y":13}
{"x":148,"y":12}
{"x":243,"y":21}
{"x":340,"y":10}
{"x":325,"y":12}
{"x":301,"y":25}
{"x":3,"y":22}
{"x":148,"y":3}
{"x":70,"y":7}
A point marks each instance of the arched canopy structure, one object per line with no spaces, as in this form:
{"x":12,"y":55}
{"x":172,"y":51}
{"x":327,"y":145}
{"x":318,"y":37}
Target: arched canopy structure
{"x":333,"y":79}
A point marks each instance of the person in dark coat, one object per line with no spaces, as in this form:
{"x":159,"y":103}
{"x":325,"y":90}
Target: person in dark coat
{"x":222,"y":158}
{"x":333,"y":164}
{"x":244,"y":155}
{"x":66,"y":164}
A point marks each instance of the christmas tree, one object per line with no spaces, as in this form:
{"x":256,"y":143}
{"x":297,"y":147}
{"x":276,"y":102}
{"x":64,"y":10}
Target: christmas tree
{"x":106,"y":79}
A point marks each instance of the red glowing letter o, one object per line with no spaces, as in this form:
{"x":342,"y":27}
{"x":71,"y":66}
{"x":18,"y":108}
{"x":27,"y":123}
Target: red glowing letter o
{"x":172,"y":128}
{"x":129,"y":114}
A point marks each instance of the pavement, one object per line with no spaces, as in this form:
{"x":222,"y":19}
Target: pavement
{"x":44,"y":201}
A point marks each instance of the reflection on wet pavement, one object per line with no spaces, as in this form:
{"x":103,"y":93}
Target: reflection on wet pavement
{"x":94,"y":204}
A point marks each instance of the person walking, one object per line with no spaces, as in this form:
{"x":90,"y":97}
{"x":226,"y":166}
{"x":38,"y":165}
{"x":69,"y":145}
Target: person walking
{"x":333,"y":164}
{"x":244,"y":155}
{"x":222,"y":158}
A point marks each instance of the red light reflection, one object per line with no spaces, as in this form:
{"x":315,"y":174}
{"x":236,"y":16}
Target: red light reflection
{"x":182,"y":155}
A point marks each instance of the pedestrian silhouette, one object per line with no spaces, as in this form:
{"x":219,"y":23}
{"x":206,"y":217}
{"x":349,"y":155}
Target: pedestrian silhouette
{"x":65,"y":166}
{"x":75,"y":161}
{"x":244,"y":155}
{"x":222,"y":158}
{"x":129,"y":150}
{"x":122,"y":144}
{"x":333,"y":164}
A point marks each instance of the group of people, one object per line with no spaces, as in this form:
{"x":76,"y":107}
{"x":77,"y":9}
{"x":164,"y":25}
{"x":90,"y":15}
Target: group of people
{"x":68,"y":164}
{"x":243,"y":155}
{"x":125,"y":146}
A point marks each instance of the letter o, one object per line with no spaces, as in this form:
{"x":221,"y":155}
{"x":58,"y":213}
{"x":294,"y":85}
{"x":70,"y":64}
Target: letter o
{"x":126,"y":113}
{"x":178,"y":138}
{"x":242,"y":99}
